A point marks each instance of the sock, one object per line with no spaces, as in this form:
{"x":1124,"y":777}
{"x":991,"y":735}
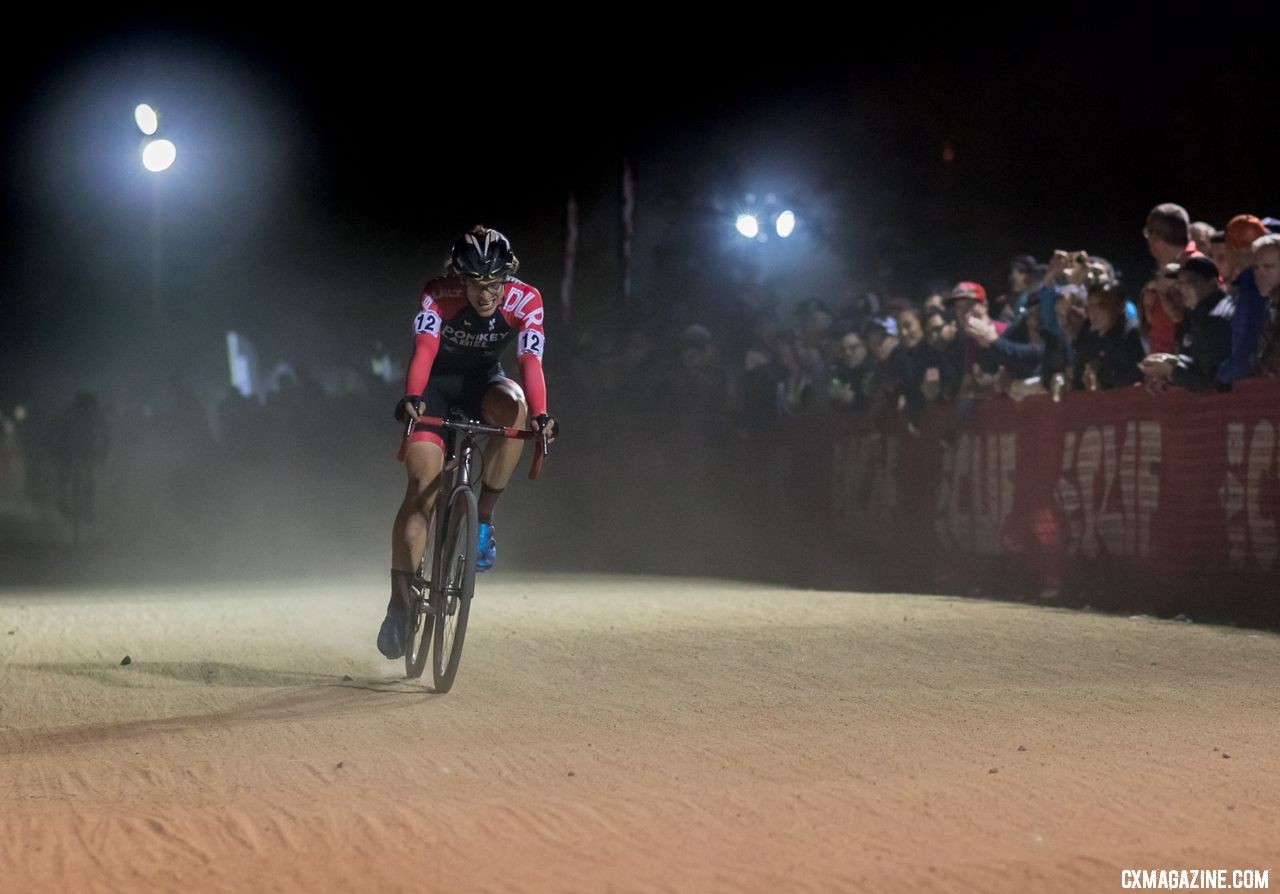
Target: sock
{"x":400,"y":589}
{"x":488,"y":502}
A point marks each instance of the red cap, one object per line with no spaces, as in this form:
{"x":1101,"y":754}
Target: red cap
{"x":1243,"y":229}
{"x":968,"y":290}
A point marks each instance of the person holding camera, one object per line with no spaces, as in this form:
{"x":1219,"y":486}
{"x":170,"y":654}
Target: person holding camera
{"x":1168,"y":236}
{"x":1203,"y":336}
{"x":1109,"y":351}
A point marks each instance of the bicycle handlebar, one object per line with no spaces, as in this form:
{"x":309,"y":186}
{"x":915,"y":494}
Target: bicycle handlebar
{"x":540,"y":451}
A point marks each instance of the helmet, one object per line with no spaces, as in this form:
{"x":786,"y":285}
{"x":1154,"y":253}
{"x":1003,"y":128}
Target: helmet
{"x":482,"y":254}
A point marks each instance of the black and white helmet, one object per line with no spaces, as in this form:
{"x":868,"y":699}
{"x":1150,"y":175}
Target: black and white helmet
{"x":482,"y":254}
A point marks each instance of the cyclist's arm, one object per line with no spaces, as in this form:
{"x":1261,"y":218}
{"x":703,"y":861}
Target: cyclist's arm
{"x":530,"y":345}
{"x":535,"y":385}
{"x":426,"y":343}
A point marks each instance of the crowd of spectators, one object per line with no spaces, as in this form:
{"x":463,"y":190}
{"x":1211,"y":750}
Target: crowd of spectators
{"x":1206,"y":317}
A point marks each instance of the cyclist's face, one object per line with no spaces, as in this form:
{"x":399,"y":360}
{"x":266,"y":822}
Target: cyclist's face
{"x":484,"y":296}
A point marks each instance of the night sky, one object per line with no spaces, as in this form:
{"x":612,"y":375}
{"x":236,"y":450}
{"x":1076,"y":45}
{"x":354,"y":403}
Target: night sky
{"x":323,"y":170}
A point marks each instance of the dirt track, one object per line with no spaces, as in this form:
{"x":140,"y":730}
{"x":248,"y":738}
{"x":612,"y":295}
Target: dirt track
{"x":625,"y":734}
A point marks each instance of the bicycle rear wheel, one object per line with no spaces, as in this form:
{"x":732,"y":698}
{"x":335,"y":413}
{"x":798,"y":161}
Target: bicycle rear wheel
{"x":455,"y":583}
{"x":418,"y":622}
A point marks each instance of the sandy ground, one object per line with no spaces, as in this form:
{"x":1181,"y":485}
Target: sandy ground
{"x":625,"y":734}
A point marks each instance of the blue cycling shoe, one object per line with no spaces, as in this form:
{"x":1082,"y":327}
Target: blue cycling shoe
{"x":391,"y":636}
{"x":487,"y":548}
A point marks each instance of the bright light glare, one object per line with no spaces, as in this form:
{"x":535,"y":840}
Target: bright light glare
{"x":158,"y":155}
{"x":146,"y":118}
{"x":786,"y":223}
{"x":748,"y":226}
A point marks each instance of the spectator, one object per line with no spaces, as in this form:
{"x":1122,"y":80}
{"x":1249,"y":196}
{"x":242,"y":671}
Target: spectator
{"x":1250,"y":315}
{"x":851,"y":375}
{"x":898,"y":373}
{"x":938,"y":330}
{"x":1022,"y":285}
{"x":935,"y":301}
{"x":1033,"y":340}
{"x":1168,"y":235}
{"x":939,"y":333}
{"x":1169,"y":241}
{"x":926,"y":360}
{"x":1266,"y":279}
{"x":694,"y":386}
{"x":909,"y":328}
{"x":969,"y":299}
{"x":1238,"y":239}
{"x":1099,"y":272}
{"x":811,"y":352}
{"x":1202,"y":236}
{"x":1204,"y":335}
{"x":762,"y":397}
{"x":1160,"y":311}
{"x":1018,"y":352}
{"x":1062,"y":315}
{"x":1070,"y":323}
{"x":1218,"y":251}
{"x":1107,"y":352}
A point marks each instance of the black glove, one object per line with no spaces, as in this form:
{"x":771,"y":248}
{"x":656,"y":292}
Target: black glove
{"x":414,"y":399}
{"x":549,"y":424}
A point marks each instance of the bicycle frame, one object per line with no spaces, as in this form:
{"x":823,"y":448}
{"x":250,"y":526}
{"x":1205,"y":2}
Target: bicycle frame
{"x":443,"y":601}
{"x":460,"y":448}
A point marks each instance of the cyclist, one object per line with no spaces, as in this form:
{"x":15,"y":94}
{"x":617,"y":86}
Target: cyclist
{"x":466,"y":319}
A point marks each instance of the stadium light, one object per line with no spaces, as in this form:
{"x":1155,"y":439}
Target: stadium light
{"x":158,"y":155}
{"x":785,"y":224}
{"x":146,"y":118}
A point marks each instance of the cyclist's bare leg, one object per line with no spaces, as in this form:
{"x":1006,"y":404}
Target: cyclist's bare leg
{"x":422,"y":463}
{"x":503,"y":404}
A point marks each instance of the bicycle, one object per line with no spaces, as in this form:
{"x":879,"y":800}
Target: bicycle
{"x":442,"y":588}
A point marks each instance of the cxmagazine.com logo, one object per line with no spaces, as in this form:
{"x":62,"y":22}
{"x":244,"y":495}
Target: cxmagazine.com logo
{"x":1196,"y":879}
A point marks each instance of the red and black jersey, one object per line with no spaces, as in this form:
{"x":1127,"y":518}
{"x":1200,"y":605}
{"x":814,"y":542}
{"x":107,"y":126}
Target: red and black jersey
{"x":450,"y":337}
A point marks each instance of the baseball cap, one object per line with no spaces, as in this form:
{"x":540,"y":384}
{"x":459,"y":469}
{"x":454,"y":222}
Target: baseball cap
{"x":1243,"y":229}
{"x":968,"y":290}
{"x":1201,"y":266}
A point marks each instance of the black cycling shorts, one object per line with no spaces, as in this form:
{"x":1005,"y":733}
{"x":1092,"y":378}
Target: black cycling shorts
{"x":455,"y":391}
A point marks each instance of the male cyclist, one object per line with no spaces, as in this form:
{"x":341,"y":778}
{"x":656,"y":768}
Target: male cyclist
{"x":467,"y":317}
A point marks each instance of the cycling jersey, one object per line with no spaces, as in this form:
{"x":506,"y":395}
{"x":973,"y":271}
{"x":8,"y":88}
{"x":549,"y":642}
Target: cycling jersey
{"x":450,"y":337}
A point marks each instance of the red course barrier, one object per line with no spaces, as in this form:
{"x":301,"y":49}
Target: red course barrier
{"x":1121,"y":499}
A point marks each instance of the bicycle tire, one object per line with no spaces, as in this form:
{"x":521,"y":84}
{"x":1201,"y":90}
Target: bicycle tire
{"x":419,"y":619}
{"x":418,"y":623}
{"x":457,"y":581}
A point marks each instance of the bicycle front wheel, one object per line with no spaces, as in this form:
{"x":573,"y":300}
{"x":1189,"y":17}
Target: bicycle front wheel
{"x":456,"y":582}
{"x":419,"y":619}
